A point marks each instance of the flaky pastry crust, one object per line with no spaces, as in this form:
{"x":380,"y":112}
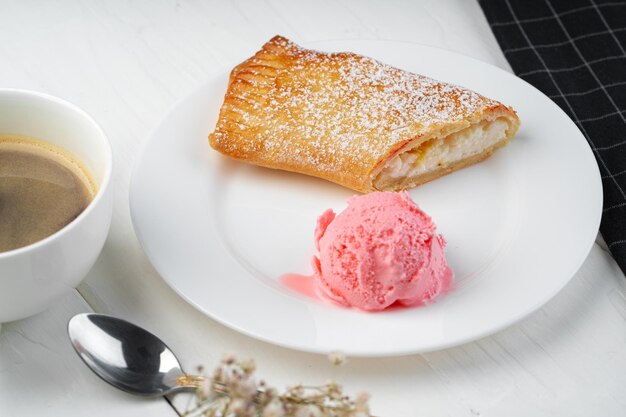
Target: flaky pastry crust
{"x":343,"y":116}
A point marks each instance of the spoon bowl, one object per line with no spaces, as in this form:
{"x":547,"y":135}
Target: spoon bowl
{"x":127,"y":356}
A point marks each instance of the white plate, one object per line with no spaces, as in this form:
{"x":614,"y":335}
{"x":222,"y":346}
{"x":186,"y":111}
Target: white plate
{"x":221,"y":233}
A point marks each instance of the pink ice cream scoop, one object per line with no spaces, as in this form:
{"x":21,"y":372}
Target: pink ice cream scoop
{"x":381,"y":249}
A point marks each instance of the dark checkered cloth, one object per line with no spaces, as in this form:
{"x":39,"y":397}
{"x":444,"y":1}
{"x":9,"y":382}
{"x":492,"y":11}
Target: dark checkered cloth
{"x":575,"y":52}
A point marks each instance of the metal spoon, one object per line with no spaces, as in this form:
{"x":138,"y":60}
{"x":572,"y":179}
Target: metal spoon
{"x":127,"y":356}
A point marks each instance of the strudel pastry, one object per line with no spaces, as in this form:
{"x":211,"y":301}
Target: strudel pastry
{"x":353,"y":120}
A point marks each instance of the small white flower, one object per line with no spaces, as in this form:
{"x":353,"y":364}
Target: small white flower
{"x":337,"y":358}
{"x":237,"y":407}
{"x":275,"y":408}
{"x":296,"y":390}
{"x":248,"y":366}
{"x":362,"y":398}
{"x":219,"y":374}
{"x":332,"y":386}
{"x":246,"y":388}
{"x":308,"y":410}
{"x":229,"y":359}
{"x":204,"y":389}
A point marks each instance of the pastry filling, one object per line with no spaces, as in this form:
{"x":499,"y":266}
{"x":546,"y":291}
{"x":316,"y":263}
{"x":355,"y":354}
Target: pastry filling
{"x":438,"y":153}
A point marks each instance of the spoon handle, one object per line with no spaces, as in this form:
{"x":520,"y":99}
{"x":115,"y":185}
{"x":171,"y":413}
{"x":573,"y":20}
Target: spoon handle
{"x":190,"y":381}
{"x":195,"y":381}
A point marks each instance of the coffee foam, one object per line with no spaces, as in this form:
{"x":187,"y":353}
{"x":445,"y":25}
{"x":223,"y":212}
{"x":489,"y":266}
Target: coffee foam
{"x":50,"y":151}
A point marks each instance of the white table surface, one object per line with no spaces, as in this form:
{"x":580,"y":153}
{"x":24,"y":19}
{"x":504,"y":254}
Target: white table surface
{"x":127,"y":63}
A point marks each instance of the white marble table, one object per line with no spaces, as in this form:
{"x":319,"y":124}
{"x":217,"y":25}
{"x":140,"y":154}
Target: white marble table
{"x":126,"y":63}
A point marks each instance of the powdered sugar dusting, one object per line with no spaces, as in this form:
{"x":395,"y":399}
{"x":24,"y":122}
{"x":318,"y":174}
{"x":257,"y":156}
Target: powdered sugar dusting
{"x":339,"y":112}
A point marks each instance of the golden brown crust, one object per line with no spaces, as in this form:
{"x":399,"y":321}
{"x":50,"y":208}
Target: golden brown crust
{"x":338,"y":116}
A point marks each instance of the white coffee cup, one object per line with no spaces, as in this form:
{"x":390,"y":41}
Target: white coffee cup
{"x":33,"y":277}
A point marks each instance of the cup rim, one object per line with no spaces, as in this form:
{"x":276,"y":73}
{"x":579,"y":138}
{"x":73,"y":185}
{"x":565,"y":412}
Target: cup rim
{"x":108,"y":155}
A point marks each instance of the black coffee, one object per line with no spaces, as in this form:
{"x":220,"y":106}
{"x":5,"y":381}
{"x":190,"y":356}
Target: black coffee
{"x":42,"y":189}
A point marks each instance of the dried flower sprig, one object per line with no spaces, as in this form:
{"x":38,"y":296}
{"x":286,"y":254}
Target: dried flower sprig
{"x":233,"y":391}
